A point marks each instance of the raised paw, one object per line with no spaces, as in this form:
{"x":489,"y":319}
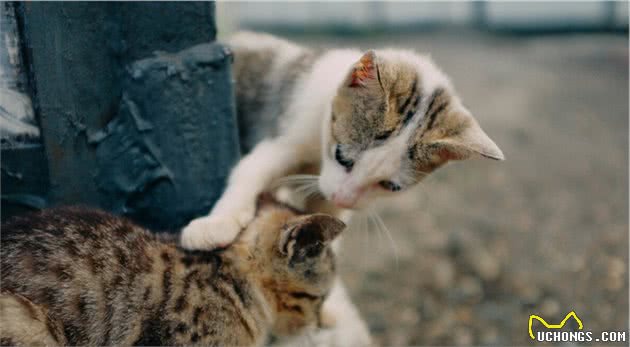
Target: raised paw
{"x":209,"y":233}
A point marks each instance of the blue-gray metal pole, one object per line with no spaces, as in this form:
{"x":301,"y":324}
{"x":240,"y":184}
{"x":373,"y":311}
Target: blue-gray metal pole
{"x":135,"y":106}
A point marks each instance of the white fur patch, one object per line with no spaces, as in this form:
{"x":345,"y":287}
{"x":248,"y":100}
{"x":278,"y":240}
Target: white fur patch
{"x":384,"y":162}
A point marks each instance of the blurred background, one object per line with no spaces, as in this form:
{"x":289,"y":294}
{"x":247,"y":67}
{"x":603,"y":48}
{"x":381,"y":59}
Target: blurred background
{"x":481,"y":245}
{"x":475,"y":250}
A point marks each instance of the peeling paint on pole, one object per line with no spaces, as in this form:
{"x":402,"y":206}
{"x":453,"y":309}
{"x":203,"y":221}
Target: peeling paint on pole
{"x":171,"y":138}
{"x":135,"y":105}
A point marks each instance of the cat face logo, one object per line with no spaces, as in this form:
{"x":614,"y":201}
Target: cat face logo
{"x":553,"y":326}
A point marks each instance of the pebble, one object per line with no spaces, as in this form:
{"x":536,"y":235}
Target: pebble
{"x":443,"y":274}
{"x":430,"y":308}
{"x":489,"y":336}
{"x":616,"y":267}
{"x":484,"y":264}
{"x":468,"y":289}
{"x":549,"y":307}
{"x":527,"y":292}
{"x":616,"y":270}
{"x":409,"y":316}
{"x":435,"y":240}
{"x":463,"y":337}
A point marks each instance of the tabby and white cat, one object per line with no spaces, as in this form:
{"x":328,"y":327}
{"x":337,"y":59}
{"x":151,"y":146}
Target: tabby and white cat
{"x":83,"y":277}
{"x":371,"y":124}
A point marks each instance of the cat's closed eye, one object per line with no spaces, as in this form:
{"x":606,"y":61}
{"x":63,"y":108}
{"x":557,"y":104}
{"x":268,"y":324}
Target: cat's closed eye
{"x":384,"y":135}
{"x":389,"y":185}
{"x":342,"y":160}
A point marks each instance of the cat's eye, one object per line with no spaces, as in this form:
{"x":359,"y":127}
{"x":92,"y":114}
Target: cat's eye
{"x":343,"y":161}
{"x":389,"y":185}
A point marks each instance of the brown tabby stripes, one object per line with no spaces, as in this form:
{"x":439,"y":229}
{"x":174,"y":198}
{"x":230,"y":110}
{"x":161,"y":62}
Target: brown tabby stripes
{"x":121,"y":285}
{"x":439,"y":101}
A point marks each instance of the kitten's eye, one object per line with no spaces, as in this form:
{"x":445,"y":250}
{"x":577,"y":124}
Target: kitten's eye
{"x":389,"y":185}
{"x":345,"y":162}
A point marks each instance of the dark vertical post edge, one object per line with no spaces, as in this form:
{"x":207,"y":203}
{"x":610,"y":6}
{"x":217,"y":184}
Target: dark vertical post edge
{"x":135,"y":106}
{"x":24,"y":182}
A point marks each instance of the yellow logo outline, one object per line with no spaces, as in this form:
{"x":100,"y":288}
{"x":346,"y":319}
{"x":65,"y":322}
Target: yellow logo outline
{"x":553,"y":326}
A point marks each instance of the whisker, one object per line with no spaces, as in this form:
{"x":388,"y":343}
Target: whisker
{"x":300,"y":177}
{"x":307,"y":191}
{"x":278,"y":184}
{"x":305,"y":188}
{"x":379,"y":232}
{"x":315,"y":193}
{"x":383,"y":228}
{"x":369,"y":221}
{"x":366,"y":231}
{"x":420,"y":171}
{"x":293,"y":179}
{"x":299,"y":180}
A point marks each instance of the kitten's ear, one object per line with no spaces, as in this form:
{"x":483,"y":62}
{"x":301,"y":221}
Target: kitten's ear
{"x":468,"y":141}
{"x":307,"y":236}
{"x":364,"y":71}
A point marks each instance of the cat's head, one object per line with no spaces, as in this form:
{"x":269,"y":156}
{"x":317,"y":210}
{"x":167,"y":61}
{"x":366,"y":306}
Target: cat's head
{"x":394,"y":120}
{"x":291,"y":257}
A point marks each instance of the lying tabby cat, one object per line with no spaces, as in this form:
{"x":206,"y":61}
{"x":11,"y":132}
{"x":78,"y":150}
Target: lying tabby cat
{"x":84,"y":277}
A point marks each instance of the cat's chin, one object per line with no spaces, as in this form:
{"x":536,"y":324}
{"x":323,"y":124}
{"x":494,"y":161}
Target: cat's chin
{"x":354,"y":208}
{"x":344,"y":206}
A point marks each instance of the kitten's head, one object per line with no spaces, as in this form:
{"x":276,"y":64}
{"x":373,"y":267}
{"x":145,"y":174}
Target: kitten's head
{"x":394,"y":120}
{"x":290,"y":254}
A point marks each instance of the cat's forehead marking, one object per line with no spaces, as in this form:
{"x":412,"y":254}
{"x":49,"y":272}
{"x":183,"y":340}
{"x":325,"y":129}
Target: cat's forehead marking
{"x":414,"y":87}
{"x":437,"y":103}
{"x":393,"y":156}
{"x":414,"y":115}
{"x":416,"y":95}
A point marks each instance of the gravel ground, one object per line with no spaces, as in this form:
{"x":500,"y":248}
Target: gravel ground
{"x":481,"y":245}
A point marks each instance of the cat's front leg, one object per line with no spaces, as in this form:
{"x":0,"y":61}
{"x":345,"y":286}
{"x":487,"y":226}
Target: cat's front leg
{"x":268,"y":161}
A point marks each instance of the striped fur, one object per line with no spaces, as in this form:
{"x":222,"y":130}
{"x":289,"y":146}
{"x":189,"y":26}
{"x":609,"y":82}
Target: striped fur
{"x":394,"y":107}
{"x":405,"y":117}
{"x":83,"y":277}
{"x":370,"y":124}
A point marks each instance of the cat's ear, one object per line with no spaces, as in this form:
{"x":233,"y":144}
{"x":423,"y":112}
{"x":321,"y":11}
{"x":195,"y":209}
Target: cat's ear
{"x":364,"y":71}
{"x":307,"y":236}
{"x":469,"y":140}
